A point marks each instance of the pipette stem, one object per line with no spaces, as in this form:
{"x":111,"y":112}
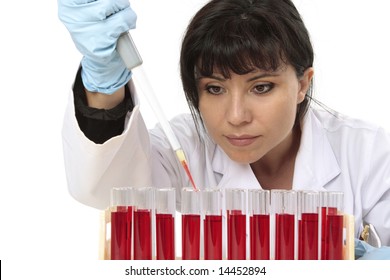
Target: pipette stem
{"x":130,"y":55}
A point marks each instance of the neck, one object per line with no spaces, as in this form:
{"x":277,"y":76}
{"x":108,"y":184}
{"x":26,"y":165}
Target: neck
{"x":276,"y":169}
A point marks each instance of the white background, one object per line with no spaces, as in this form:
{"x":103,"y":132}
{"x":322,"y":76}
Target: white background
{"x":40,"y":223}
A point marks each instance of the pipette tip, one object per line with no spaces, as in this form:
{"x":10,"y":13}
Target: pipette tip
{"x":180,"y":155}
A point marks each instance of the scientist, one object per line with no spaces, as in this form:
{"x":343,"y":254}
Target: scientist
{"x":247,"y":72}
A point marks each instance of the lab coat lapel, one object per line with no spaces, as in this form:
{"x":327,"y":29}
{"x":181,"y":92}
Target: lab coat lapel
{"x":315,"y":164}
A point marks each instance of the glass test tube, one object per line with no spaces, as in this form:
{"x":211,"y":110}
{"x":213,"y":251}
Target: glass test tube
{"x":190,"y":225}
{"x":284,"y":207}
{"x":121,"y":223}
{"x":331,"y":204}
{"x":308,"y":224}
{"x":259,"y":220}
{"x":236,"y":223}
{"x":143,"y":200}
{"x":165,"y":201}
{"x":212,"y":223}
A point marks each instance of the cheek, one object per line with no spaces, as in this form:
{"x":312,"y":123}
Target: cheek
{"x":284,"y":113}
{"x":209,"y":116}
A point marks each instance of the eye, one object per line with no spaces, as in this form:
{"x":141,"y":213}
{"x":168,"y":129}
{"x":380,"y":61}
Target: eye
{"x":263,"y":88}
{"x":215,"y":90}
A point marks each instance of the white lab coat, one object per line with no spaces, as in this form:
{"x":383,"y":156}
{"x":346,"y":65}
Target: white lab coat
{"x":336,"y":153}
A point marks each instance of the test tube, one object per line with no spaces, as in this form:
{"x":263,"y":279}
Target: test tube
{"x":165,"y":201}
{"x":212,"y":223}
{"x":308,"y":224}
{"x":284,"y":208}
{"x":259,"y":220}
{"x":236,"y":223}
{"x":190,"y":225}
{"x":331,"y":204}
{"x":121,"y":223}
{"x":143,"y":200}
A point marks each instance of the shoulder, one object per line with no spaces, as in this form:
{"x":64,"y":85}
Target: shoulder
{"x":337,"y":123}
{"x":350,"y":133}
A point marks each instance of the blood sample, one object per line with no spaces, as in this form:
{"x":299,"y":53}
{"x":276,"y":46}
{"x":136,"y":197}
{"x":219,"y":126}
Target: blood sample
{"x":212,"y":223}
{"x":236,"y":223}
{"x":331,"y":204}
{"x":165,"y":201}
{"x":143,"y":223}
{"x":190,"y":236}
{"x":190,"y":209}
{"x":308,"y":233}
{"x":284,"y":207}
{"x":259,"y":220}
{"x":121,"y":224}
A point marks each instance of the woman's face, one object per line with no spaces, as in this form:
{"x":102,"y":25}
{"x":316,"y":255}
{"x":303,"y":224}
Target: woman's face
{"x":250,"y":115}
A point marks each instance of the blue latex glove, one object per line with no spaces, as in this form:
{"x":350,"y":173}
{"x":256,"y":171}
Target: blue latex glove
{"x":364,"y":251}
{"x":95,"y":26}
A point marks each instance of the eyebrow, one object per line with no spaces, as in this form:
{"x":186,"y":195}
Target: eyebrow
{"x":262,"y":75}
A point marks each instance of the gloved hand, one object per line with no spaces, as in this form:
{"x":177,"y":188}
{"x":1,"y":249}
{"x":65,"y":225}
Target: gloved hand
{"x":95,"y":26}
{"x":364,"y":251}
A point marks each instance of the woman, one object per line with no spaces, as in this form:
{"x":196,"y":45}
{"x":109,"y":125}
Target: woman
{"x":247,"y":72}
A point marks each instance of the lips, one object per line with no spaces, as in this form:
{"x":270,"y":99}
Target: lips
{"x":241,"y":140}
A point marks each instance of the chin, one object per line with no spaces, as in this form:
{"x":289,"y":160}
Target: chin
{"x":242,"y":158}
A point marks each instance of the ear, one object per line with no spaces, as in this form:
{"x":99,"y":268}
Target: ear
{"x":304,"y":83}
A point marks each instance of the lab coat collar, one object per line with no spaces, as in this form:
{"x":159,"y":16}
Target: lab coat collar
{"x":315,"y":164}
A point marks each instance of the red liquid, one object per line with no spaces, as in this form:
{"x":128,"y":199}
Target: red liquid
{"x":190,"y":237}
{"x":165,"y":237}
{"x":213,"y":237}
{"x":308,"y":236}
{"x":259,"y":239}
{"x":142,"y":235}
{"x":121,"y":222}
{"x":284,"y":236}
{"x":187,"y":170}
{"x":331,"y":234}
{"x":236,"y":235}
{"x":334,"y":238}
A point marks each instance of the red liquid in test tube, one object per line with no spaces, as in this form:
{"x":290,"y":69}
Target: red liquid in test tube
{"x":212,"y":224}
{"x":284,"y":206}
{"x":334,"y":241}
{"x":236,"y":207}
{"x":191,"y":215}
{"x":142,"y":234}
{"x":331,"y":226}
{"x":190,"y":237}
{"x":259,"y":224}
{"x":165,"y":207}
{"x":308,"y":232}
{"x":236,"y":235}
{"x":260,"y":236}
{"x":165,"y":237}
{"x":308,"y":225}
{"x":284,"y":236}
{"x":121,"y":223}
{"x":213,"y":237}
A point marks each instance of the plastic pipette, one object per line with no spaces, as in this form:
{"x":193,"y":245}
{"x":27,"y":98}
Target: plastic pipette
{"x":130,"y":55}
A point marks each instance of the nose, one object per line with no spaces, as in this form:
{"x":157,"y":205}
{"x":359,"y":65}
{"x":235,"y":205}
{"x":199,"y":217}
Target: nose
{"x":238,"y":111}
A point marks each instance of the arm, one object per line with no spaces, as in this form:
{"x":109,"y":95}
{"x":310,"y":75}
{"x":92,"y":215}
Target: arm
{"x":100,"y":91}
{"x":376,"y":192}
{"x":108,"y":119}
{"x":100,"y":100}
{"x":93,"y":170}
